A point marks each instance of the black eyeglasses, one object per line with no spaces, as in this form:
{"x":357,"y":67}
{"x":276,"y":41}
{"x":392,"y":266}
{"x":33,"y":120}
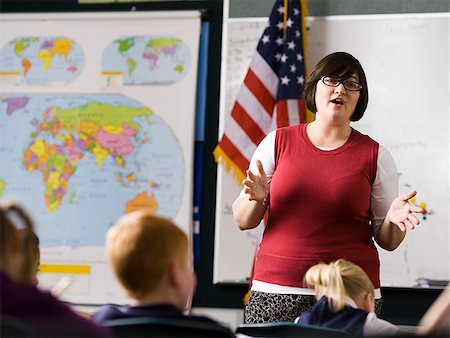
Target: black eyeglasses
{"x":334,"y":82}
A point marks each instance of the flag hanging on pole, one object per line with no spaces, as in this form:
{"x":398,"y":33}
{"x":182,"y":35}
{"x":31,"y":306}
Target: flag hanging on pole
{"x":271,"y":95}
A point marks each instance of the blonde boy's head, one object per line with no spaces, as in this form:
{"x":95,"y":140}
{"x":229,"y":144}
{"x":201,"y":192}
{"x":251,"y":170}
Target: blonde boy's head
{"x":141,"y":247}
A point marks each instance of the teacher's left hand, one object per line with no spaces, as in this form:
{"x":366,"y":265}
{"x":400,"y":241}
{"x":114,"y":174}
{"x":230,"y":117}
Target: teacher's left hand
{"x":401,"y":212}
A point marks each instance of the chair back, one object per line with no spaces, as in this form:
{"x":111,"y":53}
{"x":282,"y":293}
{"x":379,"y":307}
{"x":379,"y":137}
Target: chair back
{"x":288,"y":329}
{"x":165,"y":327}
{"x":13,"y":327}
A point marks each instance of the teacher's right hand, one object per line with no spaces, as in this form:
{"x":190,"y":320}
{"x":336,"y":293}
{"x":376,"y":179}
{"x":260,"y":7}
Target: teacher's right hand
{"x":256,"y":185}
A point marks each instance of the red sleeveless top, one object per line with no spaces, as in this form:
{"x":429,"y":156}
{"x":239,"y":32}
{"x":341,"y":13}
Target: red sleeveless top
{"x":319,"y":208}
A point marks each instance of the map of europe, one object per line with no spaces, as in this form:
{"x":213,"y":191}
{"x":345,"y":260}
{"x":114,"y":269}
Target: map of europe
{"x":42,"y":60}
{"x":78,"y":162}
{"x":147,"y":59}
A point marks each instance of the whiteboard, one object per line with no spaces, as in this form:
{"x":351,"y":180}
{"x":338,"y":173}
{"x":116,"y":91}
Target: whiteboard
{"x":406,"y":62}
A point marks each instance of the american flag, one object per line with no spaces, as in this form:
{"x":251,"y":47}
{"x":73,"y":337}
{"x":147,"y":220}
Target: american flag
{"x":272,"y":93}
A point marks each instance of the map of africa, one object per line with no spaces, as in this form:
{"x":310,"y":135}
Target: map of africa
{"x":78,"y":162}
{"x":147,"y":59}
{"x":42,"y":60}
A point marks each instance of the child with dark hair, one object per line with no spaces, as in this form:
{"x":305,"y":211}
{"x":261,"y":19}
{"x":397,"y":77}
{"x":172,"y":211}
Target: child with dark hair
{"x":42,"y":314}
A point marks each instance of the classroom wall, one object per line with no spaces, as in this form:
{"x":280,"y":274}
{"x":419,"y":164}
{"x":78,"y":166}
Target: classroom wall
{"x":261,"y":8}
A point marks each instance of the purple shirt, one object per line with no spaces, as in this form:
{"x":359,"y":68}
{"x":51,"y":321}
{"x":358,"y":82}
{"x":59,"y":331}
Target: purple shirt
{"x":43,"y":314}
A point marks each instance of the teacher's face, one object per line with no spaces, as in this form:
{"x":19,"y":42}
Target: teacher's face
{"x":336,"y":103}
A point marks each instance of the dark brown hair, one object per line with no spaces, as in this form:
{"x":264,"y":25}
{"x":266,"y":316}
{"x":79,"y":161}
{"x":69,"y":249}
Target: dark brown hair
{"x":10,"y":214}
{"x":341,"y":65}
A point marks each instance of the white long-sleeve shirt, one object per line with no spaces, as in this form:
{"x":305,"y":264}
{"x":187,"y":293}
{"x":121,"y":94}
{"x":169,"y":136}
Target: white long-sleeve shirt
{"x":384,"y":191}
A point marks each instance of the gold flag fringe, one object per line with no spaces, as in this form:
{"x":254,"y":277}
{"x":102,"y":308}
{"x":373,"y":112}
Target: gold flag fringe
{"x":222,"y":158}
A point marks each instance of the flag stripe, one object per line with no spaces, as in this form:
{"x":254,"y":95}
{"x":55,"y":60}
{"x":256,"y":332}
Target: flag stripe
{"x":254,"y":108}
{"x":240,"y":139}
{"x":282,"y":114}
{"x":261,"y":67}
{"x":292,"y":112}
{"x":228,"y":147}
{"x":260,"y":92}
{"x":302,"y":110}
{"x":247,"y":123}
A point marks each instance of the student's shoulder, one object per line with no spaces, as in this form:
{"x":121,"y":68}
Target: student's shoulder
{"x":375,"y":326}
{"x":107,"y":312}
{"x":30,"y":301}
{"x":47,"y":316}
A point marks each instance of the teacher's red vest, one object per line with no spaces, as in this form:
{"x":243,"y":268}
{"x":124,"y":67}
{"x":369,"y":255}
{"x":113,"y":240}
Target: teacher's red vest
{"x":319,"y":208}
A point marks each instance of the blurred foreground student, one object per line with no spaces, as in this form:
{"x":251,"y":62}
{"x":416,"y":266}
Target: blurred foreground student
{"x":345,"y":300}
{"x":34,"y":251}
{"x":436,"y":321}
{"x":41,"y":313}
{"x":151,"y":259}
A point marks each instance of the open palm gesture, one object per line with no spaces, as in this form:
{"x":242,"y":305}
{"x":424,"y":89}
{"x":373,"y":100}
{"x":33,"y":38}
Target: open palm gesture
{"x":256,"y":185}
{"x":401,"y":212}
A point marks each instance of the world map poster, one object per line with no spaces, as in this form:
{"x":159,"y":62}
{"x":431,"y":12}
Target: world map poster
{"x":90,"y":130}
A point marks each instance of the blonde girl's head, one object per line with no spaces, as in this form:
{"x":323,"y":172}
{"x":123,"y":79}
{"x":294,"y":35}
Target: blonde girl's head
{"x":340,"y":279}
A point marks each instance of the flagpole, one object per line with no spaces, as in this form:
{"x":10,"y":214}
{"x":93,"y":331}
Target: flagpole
{"x":285,"y":14}
{"x":304,"y":7}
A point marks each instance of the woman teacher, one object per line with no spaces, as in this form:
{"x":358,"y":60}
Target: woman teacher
{"x":329,"y":193}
